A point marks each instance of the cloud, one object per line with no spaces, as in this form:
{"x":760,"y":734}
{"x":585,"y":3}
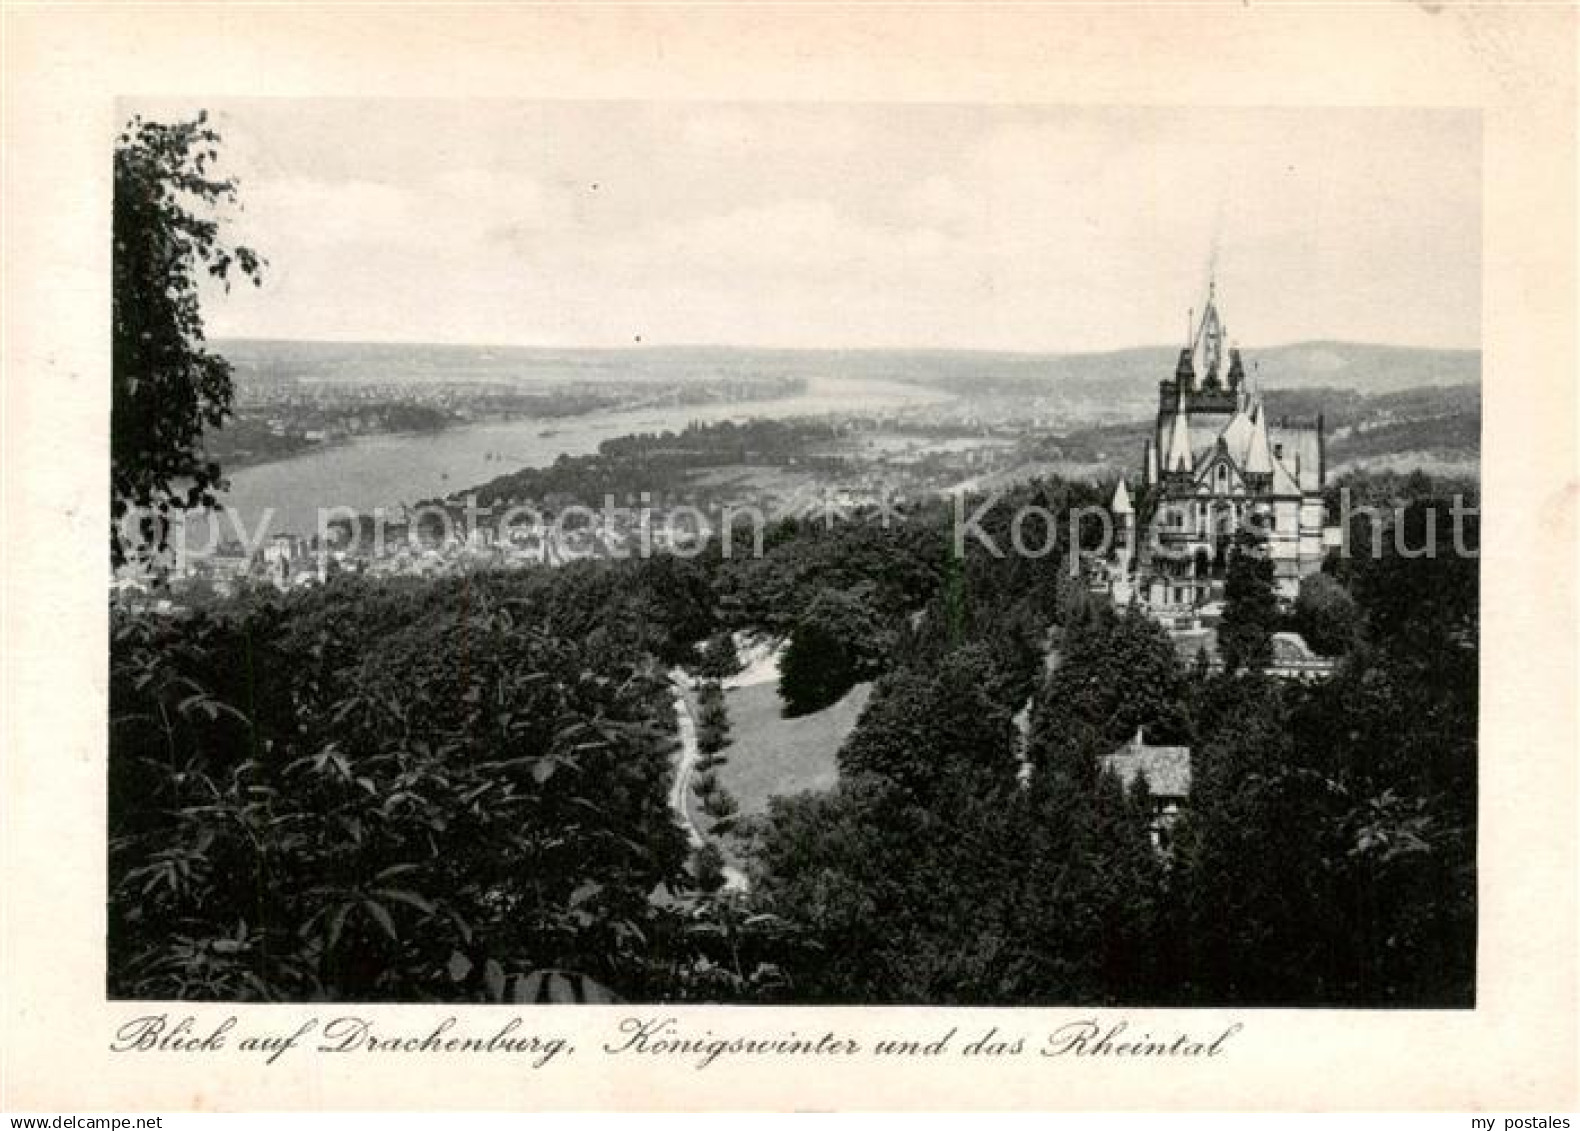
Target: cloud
{"x":456,"y":210}
{"x":792,"y":236}
{"x":856,"y":225}
{"x":807,"y":133}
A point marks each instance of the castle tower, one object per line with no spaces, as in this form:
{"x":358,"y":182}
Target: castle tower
{"x":1214,"y":460}
{"x":1214,"y":391}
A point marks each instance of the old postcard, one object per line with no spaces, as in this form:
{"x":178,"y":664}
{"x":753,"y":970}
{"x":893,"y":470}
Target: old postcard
{"x":790,"y":557}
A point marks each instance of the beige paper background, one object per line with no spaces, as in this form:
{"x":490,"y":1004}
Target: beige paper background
{"x":63,"y":68}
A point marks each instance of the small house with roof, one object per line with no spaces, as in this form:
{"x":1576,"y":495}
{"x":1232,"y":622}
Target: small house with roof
{"x":1165,"y":769}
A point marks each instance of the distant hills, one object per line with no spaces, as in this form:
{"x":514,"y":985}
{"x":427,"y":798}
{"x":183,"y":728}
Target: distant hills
{"x":1130,"y":377}
{"x":1433,"y":427}
{"x":1367,"y":369}
{"x":1120,"y":378}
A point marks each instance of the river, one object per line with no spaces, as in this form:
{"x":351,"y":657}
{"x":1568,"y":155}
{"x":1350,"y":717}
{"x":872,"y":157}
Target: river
{"x":384,"y":471}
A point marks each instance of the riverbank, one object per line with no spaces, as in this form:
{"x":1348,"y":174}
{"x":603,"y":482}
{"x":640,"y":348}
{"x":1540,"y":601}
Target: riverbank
{"x":369,"y":472}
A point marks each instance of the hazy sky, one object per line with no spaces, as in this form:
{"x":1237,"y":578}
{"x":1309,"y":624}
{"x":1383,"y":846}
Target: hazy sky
{"x":1035,"y":228}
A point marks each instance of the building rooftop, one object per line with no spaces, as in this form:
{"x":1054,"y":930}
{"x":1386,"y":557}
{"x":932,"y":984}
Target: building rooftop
{"x":1167,"y":769}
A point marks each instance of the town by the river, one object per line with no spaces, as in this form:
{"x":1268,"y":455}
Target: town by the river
{"x":388,"y":470}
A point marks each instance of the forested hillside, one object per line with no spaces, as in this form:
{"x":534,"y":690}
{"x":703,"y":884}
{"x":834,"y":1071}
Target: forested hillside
{"x":394,"y":790}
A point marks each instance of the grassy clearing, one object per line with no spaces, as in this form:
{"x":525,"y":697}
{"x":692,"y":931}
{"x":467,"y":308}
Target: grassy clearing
{"x":770,"y":755}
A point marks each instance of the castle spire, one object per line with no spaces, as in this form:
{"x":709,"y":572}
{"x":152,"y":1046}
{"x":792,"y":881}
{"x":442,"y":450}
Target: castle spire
{"x":1209,"y":338}
{"x":1121,"y":504}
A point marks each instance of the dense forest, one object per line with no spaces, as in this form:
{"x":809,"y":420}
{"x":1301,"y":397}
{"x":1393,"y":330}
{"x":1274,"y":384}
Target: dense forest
{"x":401,"y":789}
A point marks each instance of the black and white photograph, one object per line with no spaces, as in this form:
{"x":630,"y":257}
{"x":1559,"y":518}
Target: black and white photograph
{"x":681,"y":557}
{"x":785,"y":554}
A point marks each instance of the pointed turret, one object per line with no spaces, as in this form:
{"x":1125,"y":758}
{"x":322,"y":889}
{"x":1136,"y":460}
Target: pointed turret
{"x":1258,"y":456}
{"x":1177,"y":456}
{"x":1125,"y":518}
{"x":1211,"y":389}
{"x":1209,"y":338}
{"x":1121,"y":503}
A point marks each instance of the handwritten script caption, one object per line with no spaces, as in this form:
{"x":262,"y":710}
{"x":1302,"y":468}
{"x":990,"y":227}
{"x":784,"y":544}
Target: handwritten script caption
{"x":538,"y":1045}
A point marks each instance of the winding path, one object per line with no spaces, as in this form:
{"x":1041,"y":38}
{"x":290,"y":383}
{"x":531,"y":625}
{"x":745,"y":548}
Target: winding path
{"x":685,"y":768}
{"x":1051,"y":659}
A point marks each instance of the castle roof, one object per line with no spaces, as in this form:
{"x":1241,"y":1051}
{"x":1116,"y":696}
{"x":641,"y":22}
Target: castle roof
{"x":1199,"y":423}
{"x":1283,"y":482}
{"x":1302,"y":452}
{"x":1258,"y":456}
{"x":1188,"y":440}
{"x":1291,"y":648}
{"x":1237,"y":434}
{"x":1204,"y":430}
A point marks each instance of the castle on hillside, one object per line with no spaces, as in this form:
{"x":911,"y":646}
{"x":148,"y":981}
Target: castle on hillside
{"x":1215,"y":463}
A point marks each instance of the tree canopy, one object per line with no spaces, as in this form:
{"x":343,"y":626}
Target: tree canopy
{"x":167,"y":387}
{"x":1250,"y":614}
